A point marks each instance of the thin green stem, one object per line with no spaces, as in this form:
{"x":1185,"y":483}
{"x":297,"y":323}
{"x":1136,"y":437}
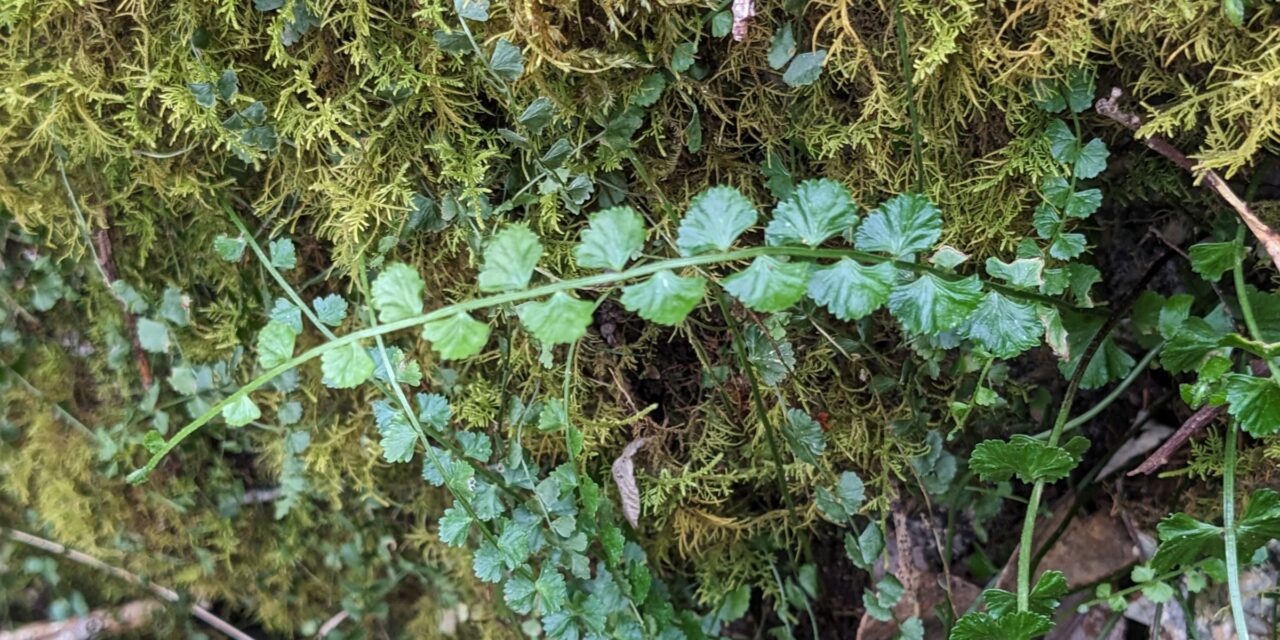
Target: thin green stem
{"x":964,"y":419}
{"x":587,"y":282}
{"x":1187,"y":604}
{"x":1164,"y":577}
{"x":757,"y":399}
{"x":1246,"y":308}
{"x":475,"y":46}
{"x":1026,"y":551}
{"x":567,"y":393}
{"x":1025,"y":546}
{"x":1075,"y":126}
{"x":429,"y":450}
{"x":1112,"y":621}
{"x":292,"y":294}
{"x":1230,"y":541}
{"x":1101,"y":405}
{"x":275,"y":273}
{"x":1229,"y":532}
{"x":782,"y":590}
{"x":1086,"y":488}
{"x":908,"y":71}
{"x":83,"y":224}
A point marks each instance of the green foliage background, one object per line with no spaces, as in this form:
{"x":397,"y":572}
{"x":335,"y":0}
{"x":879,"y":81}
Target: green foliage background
{"x":371,"y":116}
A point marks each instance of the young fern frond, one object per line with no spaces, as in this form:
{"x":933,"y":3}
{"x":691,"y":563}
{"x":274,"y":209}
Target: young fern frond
{"x":927,"y":299}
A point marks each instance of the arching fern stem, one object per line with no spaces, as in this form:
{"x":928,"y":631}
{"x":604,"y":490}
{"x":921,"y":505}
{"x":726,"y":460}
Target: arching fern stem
{"x":586,"y":282}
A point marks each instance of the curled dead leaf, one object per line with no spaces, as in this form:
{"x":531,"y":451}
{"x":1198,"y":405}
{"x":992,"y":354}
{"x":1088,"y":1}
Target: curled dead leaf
{"x":624,"y":475}
{"x":742,"y":11}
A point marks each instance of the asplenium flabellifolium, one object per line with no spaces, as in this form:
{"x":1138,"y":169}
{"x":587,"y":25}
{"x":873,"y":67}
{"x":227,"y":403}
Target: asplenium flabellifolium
{"x":805,"y":256}
{"x":851,"y":283}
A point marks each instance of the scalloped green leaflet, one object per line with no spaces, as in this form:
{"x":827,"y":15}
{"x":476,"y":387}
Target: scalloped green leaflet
{"x":665,"y":297}
{"x":842,"y":503}
{"x":1019,"y":625}
{"x":1255,"y":402}
{"x":397,"y":292}
{"x":715,"y":219}
{"x":1075,"y":90}
{"x":1074,"y":204}
{"x":1004,"y":328}
{"x":519,"y":594}
{"x":331,"y":309}
{"x":850,"y":290}
{"x":1029,"y":459}
{"x":346,"y":367}
{"x":509,"y":259}
{"x":930,"y":304}
{"x":612,"y":238}
{"x":241,"y":412}
{"x":457,"y":336}
{"x":815,"y":211}
{"x":1087,"y":160}
{"x":454,"y":527}
{"x":902,"y":226}
{"x":560,"y":319}
{"x":1212,"y":259}
{"x":507,"y":61}
{"x":275,"y":344}
{"x":399,"y":439}
{"x":1024,"y":273}
{"x":283,"y":254}
{"x":804,"y":436}
{"x":769,"y":284}
{"x":537,"y":115}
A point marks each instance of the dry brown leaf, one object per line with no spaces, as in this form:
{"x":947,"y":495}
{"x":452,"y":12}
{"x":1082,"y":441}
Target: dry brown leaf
{"x":742,"y":11}
{"x":624,"y":475}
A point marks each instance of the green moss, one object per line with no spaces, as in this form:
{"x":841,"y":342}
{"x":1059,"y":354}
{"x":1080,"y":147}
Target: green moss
{"x":369,"y":113}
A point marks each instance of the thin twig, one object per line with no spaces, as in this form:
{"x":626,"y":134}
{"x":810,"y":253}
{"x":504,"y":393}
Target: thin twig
{"x":99,"y":623}
{"x":1193,"y":425}
{"x":332,"y":623}
{"x":40,"y":396}
{"x":1270,"y":240}
{"x":164,"y":593}
{"x":1160,"y":457}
